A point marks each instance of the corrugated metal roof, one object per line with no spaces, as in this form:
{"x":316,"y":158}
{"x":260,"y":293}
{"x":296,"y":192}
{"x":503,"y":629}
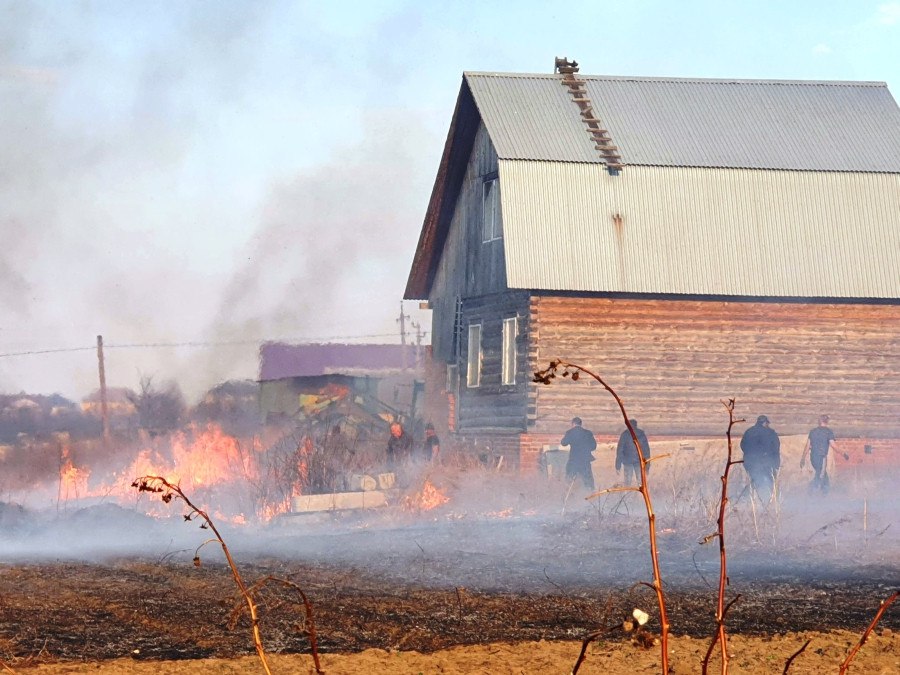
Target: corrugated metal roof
{"x":700,"y":231}
{"x":755,"y":124}
{"x":279,"y":360}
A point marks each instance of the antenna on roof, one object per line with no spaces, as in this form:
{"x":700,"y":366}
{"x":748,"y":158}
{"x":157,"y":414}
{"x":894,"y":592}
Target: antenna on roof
{"x":564,"y":66}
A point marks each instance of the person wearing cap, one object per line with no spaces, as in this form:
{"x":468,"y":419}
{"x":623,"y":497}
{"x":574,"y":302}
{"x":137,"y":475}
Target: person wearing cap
{"x":627,"y":457}
{"x":581,"y":444}
{"x":431,"y":446}
{"x":819,"y":441}
{"x":762,"y":457}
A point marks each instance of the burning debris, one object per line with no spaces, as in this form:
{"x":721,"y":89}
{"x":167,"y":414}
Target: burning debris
{"x":425,"y":499}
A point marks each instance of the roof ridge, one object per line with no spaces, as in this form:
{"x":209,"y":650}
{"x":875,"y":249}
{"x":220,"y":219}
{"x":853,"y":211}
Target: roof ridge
{"x":678,"y":80}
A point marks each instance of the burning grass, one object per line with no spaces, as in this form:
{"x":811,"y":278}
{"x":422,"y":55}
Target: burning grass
{"x":464,"y":556}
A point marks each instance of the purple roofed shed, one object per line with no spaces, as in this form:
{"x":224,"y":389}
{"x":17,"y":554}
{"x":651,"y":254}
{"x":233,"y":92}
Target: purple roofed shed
{"x":279,"y":360}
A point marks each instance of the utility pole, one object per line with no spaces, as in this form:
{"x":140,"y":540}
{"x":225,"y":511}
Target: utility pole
{"x":419,"y":335}
{"x":402,"y":322}
{"x":104,"y":408}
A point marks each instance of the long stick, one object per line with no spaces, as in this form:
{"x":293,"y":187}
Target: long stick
{"x":865,"y":636}
{"x":721,"y":609}
{"x":545,"y":377}
{"x":787,"y":664}
{"x":160,"y":484}
{"x":310,"y":622}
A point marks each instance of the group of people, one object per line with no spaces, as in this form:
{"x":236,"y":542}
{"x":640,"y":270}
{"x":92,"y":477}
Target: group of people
{"x":762,"y":455}
{"x":760,"y":445}
{"x":581,"y":444}
{"x":402,"y":449}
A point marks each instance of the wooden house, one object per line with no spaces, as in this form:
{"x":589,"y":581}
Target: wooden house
{"x":691,"y":240}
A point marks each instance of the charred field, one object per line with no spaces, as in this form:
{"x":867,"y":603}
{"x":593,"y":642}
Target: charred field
{"x":104,"y":582}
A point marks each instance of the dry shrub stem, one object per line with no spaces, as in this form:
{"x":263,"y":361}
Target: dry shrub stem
{"x":589,"y":638}
{"x":721,"y":607}
{"x":310,"y":625}
{"x":720,"y":638}
{"x":158,"y":484}
{"x":787,"y":664}
{"x":572,"y":370}
{"x":865,"y":636}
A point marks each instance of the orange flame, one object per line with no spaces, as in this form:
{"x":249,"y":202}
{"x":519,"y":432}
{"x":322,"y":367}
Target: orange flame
{"x":428,"y":498}
{"x":72,"y":479}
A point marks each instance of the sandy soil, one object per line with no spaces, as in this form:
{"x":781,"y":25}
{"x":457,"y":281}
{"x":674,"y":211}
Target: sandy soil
{"x":826,"y":651}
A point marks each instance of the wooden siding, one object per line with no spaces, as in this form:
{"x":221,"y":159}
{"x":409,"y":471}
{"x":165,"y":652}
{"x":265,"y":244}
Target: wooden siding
{"x":701,"y":232}
{"x":674,"y":361}
{"x":467,"y":267}
{"x":492,"y":406}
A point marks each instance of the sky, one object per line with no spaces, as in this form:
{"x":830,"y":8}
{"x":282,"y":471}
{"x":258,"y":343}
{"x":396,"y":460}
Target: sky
{"x":189,"y":178}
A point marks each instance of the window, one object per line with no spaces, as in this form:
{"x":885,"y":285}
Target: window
{"x":492,"y":228}
{"x":473,"y":370}
{"x":510,"y":332}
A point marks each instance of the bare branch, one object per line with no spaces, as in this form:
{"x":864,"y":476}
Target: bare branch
{"x":787,"y":664}
{"x":865,"y":636}
{"x":546,"y":377}
{"x":159,"y":485}
{"x":610,"y":490}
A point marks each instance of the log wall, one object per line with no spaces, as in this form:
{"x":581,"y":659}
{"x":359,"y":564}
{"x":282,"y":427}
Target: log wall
{"x":492,"y":406}
{"x":674,"y":361}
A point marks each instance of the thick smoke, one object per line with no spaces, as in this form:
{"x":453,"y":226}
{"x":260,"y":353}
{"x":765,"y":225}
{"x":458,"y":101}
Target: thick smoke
{"x":327,"y":259}
{"x":195,"y":174}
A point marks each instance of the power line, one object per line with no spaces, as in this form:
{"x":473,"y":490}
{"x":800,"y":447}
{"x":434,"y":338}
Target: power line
{"x":197,"y":345}
{"x":49,"y":351}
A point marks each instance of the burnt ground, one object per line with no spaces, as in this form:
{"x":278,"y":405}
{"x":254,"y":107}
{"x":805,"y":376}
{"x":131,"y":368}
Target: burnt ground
{"x":426,"y":585}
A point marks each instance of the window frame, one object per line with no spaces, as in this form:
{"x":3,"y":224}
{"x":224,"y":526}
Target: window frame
{"x":508,"y":352}
{"x":492,"y":231}
{"x":474,"y":356}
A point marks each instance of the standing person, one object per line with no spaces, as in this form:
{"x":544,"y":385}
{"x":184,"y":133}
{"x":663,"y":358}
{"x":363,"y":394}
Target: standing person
{"x":762,"y":457}
{"x":431,"y":446}
{"x":819,"y":441}
{"x":581,"y":445}
{"x":399,"y":446}
{"x":627,"y":457}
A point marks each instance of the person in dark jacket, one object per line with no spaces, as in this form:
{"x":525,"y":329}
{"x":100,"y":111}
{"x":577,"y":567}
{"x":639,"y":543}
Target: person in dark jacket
{"x":762,"y":457}
{"x":399,"y":447}
{"x":581,"y":445}
{"x":627,"y":458}
{"x":431,"y":446}
{"x":818,"y":443}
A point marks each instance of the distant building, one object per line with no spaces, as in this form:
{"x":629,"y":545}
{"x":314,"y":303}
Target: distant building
{"x":385,"y":374}
{"x":122,"y":411}
{"x":690,"y":240}
{"x":23,"y":416}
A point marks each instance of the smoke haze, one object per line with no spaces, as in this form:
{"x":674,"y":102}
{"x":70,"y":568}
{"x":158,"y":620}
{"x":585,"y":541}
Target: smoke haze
{"x":184,"y":174}
{"x":207,"y":172}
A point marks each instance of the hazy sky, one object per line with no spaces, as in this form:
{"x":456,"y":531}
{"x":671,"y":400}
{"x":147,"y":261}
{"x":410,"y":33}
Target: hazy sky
{"x":207,"y":172}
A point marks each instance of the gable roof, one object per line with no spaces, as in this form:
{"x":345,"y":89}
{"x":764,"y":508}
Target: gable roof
{"x":279,"y":360}
{"x":726,"y":185}
{"x":754,"y":124}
